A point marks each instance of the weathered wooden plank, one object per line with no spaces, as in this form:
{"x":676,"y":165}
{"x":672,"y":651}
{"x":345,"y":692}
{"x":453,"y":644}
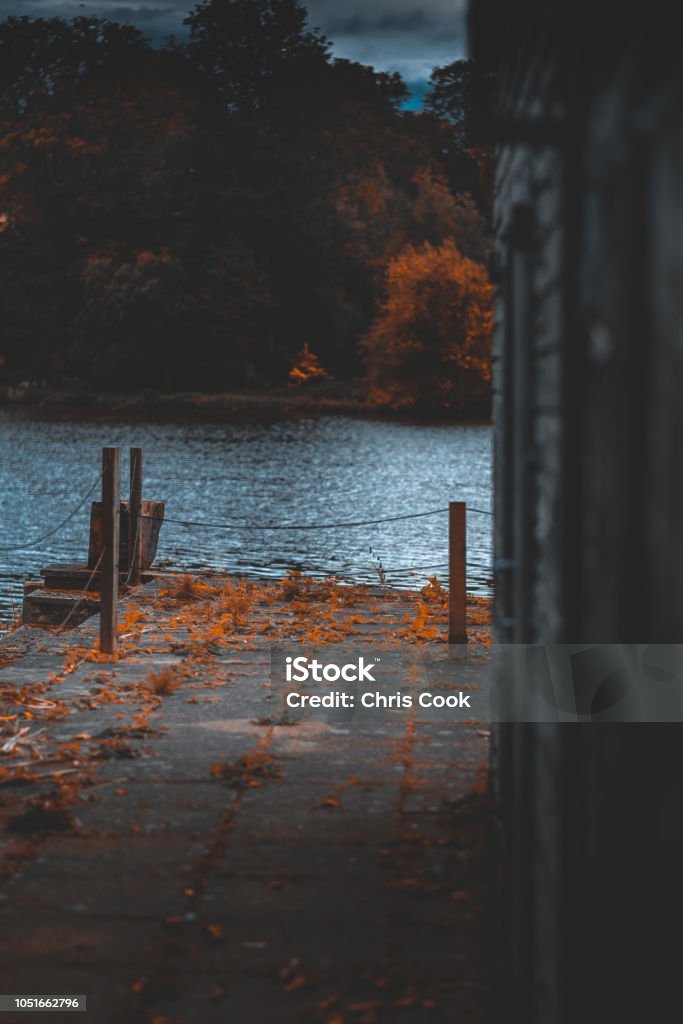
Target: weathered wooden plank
{"x":152,"y":513}
{"x":74,"y":577}
{"x":50,"y":608}
{"x":111,"y":531}
{"x":135,"y":523}
{"x":457,"y":573}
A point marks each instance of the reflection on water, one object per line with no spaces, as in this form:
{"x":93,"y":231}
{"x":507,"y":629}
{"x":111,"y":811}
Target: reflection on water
{"x":315,"y":470}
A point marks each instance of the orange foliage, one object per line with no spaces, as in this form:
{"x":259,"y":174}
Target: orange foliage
{"x":297,"y":587}
{"x":187,"y":588}
{"x":164,"y":682}
{"x":248,"y":772}
{"x":431,"y":341}
{"x":434,"y":593}
{"x":236,"y":601}
{"x":307,"y":367}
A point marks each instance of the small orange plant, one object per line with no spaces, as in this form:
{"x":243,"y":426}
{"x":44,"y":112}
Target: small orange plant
{"x":130,"y":624}
{"x":188,"y":588}
{"x":297,"y":587}
{"x":422,"y":626}
{"x":433,"y":593}
{"x":307,"y":367}
{"x":236,"y":601}
{"x":163,"y":683}
{"x":248,"y":772}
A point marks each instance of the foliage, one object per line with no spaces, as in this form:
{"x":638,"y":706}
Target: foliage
{"x":431,"y":339}
{"x":137,"y":315}
{"x":249,"y":49}
{"x":181,"y":218}
{"x":164,"y":682}
{"x":307,"y":367}
{"x":187,"y":588}
{"x":455,"y":97}
{"x":450,"y":97}
{"x":434,"y":594}
{"x":51,"y":62}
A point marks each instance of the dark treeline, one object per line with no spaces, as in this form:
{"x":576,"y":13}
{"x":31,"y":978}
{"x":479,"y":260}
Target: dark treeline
{"x":194,"y":217}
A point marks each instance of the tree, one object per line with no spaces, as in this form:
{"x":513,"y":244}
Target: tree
{"x":458,"y":95}
{"x":52,"y":63}
{"x":429,"y":347}
{"x":307,"y":368}
{"x":450,"y":98}
{"x":159,"y":321}
{"x":438,"y":214}
{"x":240,"y":189}
{"x":242,"y":47}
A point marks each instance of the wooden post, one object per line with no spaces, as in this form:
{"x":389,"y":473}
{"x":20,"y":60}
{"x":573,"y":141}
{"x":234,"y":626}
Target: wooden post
{"x":457,"y":573}
{"x":134,"y":521}
{"x":111,"y":474}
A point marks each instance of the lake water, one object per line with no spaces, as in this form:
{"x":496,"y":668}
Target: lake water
{"x":293,"y":471}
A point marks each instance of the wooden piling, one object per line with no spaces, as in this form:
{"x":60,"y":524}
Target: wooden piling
{"x":111,"y":475}
{"x":134,"y":521}
{"x":457,"y":573}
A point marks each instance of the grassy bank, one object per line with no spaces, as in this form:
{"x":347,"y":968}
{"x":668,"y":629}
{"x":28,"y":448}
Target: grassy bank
{"x":344,"y":399}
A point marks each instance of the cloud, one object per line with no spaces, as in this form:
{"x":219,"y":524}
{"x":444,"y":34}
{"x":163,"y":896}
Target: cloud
{"x":365,"y":23}
{"x":156,"y":18}
{"x":408,"y":36}
{"x":92,"y":8}
{"x":141,"y":13}
{"x":396,"y":35}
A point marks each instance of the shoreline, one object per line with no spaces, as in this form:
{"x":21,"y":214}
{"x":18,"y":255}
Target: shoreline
{"x":227,"y":405}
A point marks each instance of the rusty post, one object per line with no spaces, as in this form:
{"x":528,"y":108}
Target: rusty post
{"x":111,"y":473}
{"x":134,"y":521}
{"x":457,"y":573}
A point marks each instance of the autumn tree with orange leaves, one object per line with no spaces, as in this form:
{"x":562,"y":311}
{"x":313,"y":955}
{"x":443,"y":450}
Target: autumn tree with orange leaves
{"x":430,"y":345}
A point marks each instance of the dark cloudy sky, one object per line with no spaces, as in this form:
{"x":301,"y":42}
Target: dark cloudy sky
{"x":409,"y":36}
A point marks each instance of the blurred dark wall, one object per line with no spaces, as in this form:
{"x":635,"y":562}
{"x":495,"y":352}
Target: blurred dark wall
{"x":584,"y":103}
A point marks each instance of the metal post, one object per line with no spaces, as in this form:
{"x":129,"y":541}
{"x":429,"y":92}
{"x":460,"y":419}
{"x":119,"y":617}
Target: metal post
{"x":134,"y":521}
{"x":457,"y":573}
{"x":111,"y":473}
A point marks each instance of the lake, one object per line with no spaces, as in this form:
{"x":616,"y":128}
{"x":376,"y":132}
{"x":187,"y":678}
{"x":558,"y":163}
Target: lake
{"x":314,"y":470}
